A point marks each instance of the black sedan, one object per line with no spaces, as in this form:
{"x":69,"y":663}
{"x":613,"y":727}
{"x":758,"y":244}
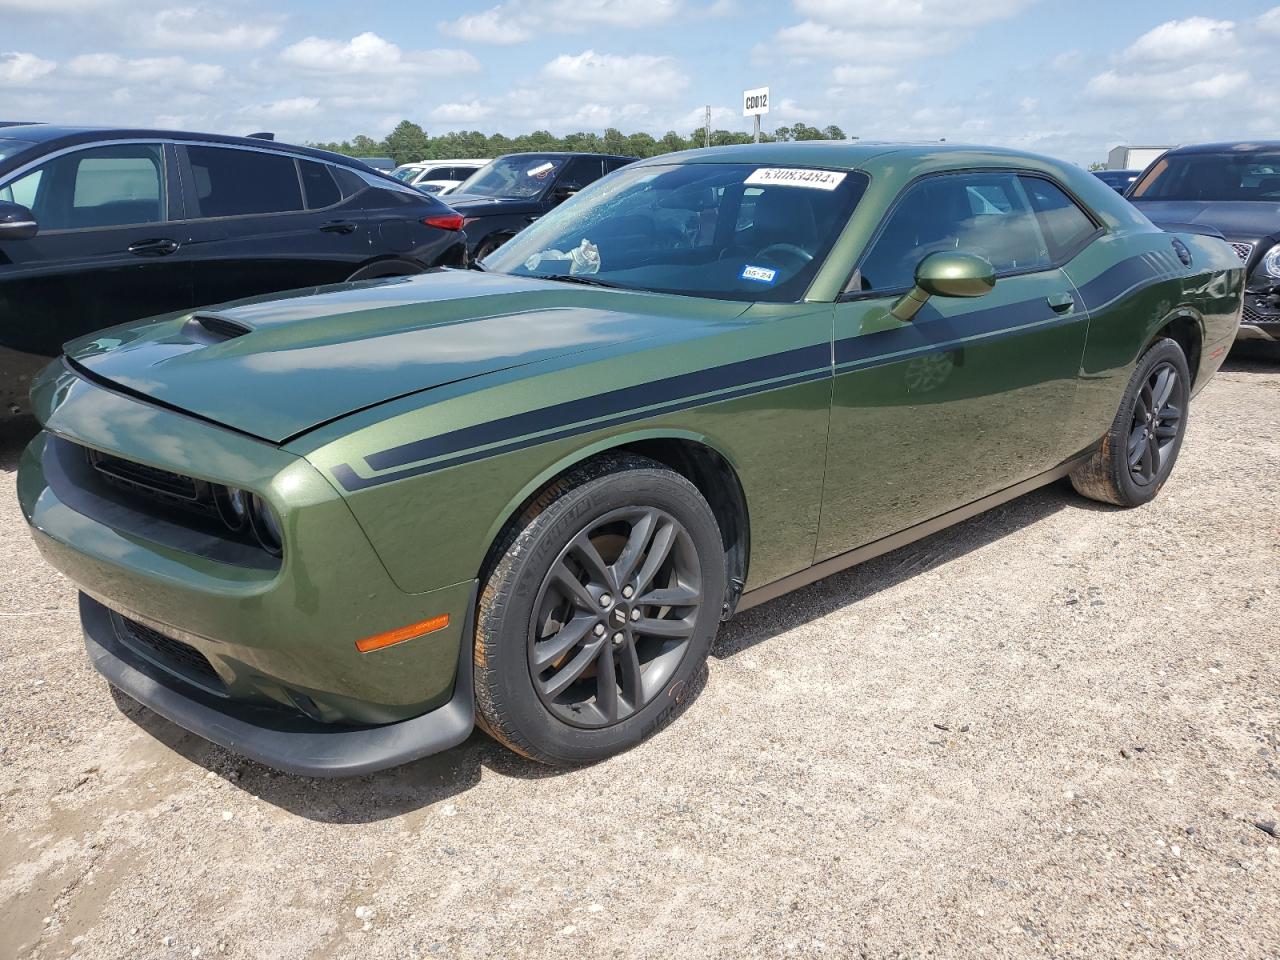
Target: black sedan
{"x":501,"y":199}
{"x":99,"y":227}
{"x":1117,"y":180}
{"x":1232,"y":189}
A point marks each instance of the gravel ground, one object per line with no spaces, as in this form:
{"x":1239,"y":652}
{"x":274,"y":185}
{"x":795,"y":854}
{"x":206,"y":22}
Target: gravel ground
{"x":1050,"y":731}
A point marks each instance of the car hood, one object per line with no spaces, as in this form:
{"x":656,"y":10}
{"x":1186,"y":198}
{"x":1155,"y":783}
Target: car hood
{"x":1236,"y":220}
{"x":276,"y":367}
{"x":472,"y":206}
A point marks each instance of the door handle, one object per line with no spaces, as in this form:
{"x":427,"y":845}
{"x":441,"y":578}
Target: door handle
{"x":338,"y":226}
{"x":1061,"y":302}
{"x":154,"y":248}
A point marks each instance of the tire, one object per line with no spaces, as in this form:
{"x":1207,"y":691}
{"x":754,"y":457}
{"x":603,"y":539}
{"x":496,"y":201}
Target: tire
{"x":384,"y":269}
{"x":488,"y":245}
{"x":1111,"y":475}
{"x":534,"y":629}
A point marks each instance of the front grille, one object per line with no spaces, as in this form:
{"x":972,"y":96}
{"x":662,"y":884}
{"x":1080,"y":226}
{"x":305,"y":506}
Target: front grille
{"x":1243,"y":250}
{"x":141,"y":478}
{"x":180,"y":658}
{"x":1255,"y":319}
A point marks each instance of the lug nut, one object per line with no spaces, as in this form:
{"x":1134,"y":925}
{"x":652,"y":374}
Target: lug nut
{"x":617,"y":639}
{"x":599,"y":629}
{"x":628,"y":592}
{"x":635,"y":614}
{"x":605,"y":600}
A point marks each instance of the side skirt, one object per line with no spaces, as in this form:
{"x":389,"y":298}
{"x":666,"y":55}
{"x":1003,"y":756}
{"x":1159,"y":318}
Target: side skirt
{"x":771,"y":591}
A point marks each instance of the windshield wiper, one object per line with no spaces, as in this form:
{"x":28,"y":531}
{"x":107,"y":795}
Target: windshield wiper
{"x":579,"y":278}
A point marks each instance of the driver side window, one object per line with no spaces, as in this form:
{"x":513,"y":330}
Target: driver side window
{"x":987,"y":214}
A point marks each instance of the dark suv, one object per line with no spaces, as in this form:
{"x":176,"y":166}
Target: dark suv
{"x":99,"y":227}
{"x":505,"y":196}
{"x":1232,"y":189}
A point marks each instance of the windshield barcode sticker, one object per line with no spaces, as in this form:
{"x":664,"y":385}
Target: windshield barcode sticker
{"x":792,"y":177}
{"x":541,"y":170}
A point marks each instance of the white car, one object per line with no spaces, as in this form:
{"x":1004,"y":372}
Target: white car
{"x":438,"y":176}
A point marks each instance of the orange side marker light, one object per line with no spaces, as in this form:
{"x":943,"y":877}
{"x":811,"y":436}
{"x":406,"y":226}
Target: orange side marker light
{"x":392,"y":637}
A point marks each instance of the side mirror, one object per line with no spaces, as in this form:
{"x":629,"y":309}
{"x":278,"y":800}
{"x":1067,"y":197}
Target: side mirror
{"x":564,"y":191}
{"x":16,"y":222}
{"x":946,"y":275}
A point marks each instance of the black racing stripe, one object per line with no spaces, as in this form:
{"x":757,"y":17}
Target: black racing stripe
{"x":1115,"y":281}
{"x":607,"y":404}
{"x":352,"y":481}
{"x":931,"y":332}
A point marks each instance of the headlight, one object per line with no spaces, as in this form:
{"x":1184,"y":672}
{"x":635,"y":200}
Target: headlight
{"x":233,"y":507}
{"x":1271,"y":262}
{"x":265,"y":525}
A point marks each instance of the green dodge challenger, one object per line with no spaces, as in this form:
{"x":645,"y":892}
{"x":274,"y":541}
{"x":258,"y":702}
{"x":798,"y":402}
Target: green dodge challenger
{"x":335,"y":530}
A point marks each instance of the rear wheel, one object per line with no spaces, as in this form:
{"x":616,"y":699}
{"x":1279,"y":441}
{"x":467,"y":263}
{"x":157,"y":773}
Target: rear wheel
{"x":385,"y":268}
{"x":599,"y":613}
{"x":1139,"y":451}
{"x":488,"y":245}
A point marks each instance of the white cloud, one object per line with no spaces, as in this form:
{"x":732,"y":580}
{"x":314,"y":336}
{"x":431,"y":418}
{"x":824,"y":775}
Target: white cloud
{"x":20,"y":69}
{"x":608,"y":77}
{"x":519,"y":20}
{"x":50,"y":6}
{"x":288,"y":107}
{"x":909,"y":13}
{"x":460,"y":112}
{"x":1269,"y":22}
{"x":863,"y":75}
{"x":205,"y":28}
{"x":173,"y":71}
{"x":1195,"y":37}
{"x":371,"y":55}
{"x":809,"y":39}
{"x":1186,"y":83}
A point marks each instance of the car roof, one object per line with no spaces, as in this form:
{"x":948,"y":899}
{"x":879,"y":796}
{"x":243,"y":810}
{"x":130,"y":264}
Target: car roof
{"x":443,"y":163}
{"x":565,"y":153}
{"x":1241,"y":146}
{"x":50,"y":135}
{"x":853,"y":154}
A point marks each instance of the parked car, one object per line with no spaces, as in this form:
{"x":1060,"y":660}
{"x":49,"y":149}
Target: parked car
{"x":381,"y":164}
{"x":330,"y":530}
{"x":511,"y":192}
{"x":102,"y":226}
{"x":1117,"y":180}
{"x":437,"y":176}
{"x":1232,"y":189}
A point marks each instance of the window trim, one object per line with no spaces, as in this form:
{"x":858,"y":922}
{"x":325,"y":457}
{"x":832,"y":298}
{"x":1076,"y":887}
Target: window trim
{"x":847,"y":295}
{"x":166,"y":182}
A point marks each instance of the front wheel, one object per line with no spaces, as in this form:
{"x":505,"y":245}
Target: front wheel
{"x":1139,"y":451}
{"x":598,"y":615}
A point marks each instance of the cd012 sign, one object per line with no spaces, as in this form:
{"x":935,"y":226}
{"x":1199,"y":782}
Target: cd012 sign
{"x":755,"y":103}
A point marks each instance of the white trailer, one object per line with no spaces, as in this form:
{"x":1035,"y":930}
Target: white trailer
{"x":1133,"y":158}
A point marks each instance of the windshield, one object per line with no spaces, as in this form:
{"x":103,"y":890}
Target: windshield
{"x":405,"y":173}
{"x":732,"y":231}
{"x":520,"y":176}
{"x":10,"y":148}
{"x":1212,"y":176}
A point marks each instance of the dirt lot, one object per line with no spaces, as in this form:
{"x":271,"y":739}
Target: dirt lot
{"x":1050,"y":731}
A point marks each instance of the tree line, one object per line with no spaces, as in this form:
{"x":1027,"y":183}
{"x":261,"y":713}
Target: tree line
{"x":409,"y":143}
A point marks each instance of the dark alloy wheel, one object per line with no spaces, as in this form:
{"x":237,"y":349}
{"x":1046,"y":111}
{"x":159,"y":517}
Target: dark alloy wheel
{"x":1157,"y":421}
{"x":1138,"y":452}
{"x":614,"y":616}
{"x":598,"y":610}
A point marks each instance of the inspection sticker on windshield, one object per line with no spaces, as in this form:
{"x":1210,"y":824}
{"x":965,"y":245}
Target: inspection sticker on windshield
{"x":792,"y":177}
{"x":758,"y":274}
{"x":541,"y":170}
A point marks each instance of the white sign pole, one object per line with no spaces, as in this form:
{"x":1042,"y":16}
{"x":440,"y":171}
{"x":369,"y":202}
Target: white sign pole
{"x":755,"y":103}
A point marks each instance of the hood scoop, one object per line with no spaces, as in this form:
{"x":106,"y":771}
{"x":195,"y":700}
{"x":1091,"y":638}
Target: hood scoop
{"x":209,"y":328}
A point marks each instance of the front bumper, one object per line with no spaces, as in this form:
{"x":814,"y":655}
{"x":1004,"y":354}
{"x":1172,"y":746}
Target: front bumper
{"x":1261,"y":317}
{"x":285,"y":741}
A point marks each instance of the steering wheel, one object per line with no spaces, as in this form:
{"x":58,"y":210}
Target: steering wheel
{"x":801,"y":255}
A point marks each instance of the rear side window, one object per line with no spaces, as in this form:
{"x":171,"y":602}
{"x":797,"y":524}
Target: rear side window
{"x":232,"y":183}
{"x":317,"y":178}
{"x":987,"y":214}
{"x":109,"y":186}
{"x":1066,"y":227}
{"x":583,"y":171}
{"x":349,"y":182}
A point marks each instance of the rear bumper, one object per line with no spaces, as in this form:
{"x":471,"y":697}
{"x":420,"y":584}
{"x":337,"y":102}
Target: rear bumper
{"x":274,"y":737}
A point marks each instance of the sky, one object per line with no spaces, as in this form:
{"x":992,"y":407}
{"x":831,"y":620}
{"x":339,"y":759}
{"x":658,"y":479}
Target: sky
{"x":1068,"y":78}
